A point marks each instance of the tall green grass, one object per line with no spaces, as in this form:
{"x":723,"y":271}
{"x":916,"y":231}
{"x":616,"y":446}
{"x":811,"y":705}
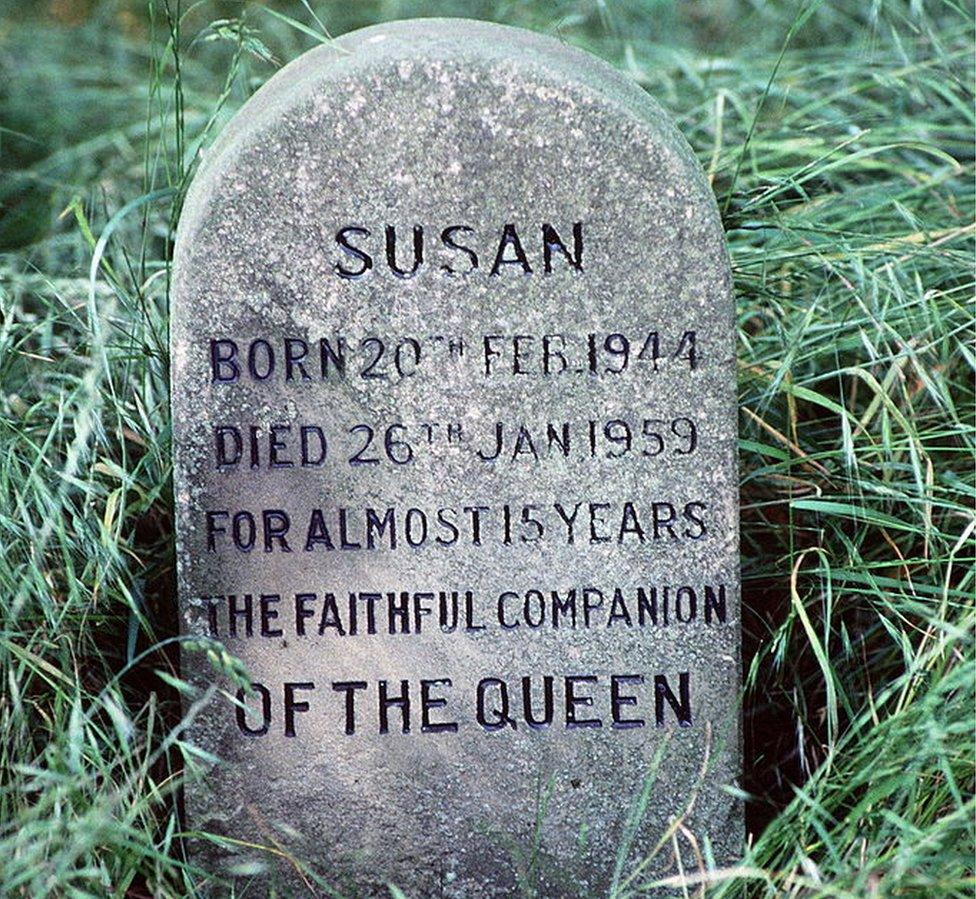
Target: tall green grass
{"x":839,"y":140}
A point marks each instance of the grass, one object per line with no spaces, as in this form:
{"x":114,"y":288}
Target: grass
{"x":839,"y":140}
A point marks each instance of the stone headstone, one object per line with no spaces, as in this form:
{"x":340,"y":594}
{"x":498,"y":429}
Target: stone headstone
{"x":455,"y":428}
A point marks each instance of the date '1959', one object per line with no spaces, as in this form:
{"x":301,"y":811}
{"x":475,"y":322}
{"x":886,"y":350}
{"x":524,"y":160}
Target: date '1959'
{"x":282,"y":446}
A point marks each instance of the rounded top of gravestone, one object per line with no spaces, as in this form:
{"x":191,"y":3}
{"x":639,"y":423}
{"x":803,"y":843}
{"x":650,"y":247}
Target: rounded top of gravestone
{"x":509,"y":75}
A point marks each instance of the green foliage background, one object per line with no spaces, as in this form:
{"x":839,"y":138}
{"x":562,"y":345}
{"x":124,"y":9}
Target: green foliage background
{"x":838,"y":137}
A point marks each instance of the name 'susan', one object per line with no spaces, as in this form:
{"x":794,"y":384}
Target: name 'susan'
{"x":458,"y":250}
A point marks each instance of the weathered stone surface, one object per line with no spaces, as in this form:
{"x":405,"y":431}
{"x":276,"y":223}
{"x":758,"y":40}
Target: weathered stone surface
{"x":597,"y":548}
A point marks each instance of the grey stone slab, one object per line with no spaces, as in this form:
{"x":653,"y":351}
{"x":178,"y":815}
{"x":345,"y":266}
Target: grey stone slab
{"x":535,"y":425}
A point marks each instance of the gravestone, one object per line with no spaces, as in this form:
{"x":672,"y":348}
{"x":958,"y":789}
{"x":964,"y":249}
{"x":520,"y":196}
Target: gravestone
{"x":455,"y":431}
